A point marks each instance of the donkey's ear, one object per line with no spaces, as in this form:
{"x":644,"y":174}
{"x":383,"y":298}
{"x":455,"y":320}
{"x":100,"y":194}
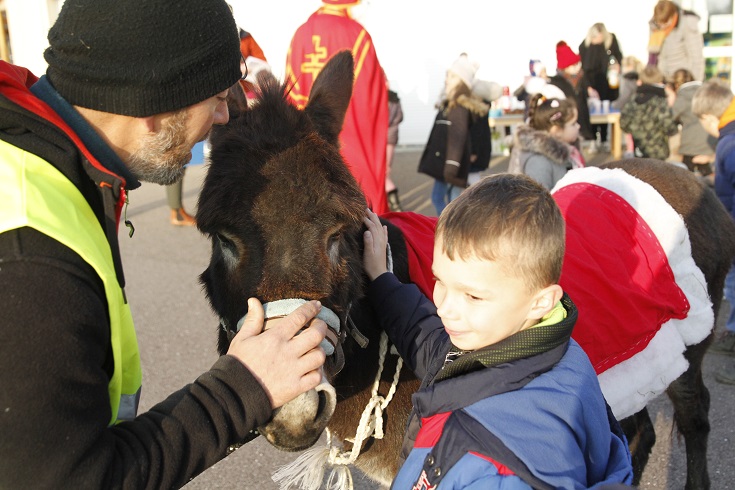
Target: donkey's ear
{"x":330,"y":95}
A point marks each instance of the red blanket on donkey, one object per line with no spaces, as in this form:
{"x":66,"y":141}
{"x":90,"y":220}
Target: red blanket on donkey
{"x":418,"y":232}
{"x":628,"y":268}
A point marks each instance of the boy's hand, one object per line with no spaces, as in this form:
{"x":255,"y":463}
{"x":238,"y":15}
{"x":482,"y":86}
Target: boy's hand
{"x":374,"y":257}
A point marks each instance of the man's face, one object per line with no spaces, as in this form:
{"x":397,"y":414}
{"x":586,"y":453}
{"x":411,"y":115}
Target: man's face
{"x":163,"y":154}
{"x":479,"y":303}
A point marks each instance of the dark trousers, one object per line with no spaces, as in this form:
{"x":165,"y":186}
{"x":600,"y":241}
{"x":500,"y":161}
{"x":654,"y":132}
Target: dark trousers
{"x":602,"y":129}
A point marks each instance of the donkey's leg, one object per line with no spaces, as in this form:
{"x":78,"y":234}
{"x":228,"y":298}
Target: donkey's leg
{"x":690,"y":398}
{"x":641,"y":435}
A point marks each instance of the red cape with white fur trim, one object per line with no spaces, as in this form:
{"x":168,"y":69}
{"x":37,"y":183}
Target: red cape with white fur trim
{"x":628,"y":267}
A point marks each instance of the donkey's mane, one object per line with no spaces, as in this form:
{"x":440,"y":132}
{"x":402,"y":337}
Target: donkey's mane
{"x":273,"y":139}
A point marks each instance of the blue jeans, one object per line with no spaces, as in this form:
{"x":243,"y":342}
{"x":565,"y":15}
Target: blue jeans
{"x":730,"y":297}
{"x":442,"y":194}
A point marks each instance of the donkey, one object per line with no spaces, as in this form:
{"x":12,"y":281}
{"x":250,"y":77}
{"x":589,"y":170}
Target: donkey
{"x":284,"y":216}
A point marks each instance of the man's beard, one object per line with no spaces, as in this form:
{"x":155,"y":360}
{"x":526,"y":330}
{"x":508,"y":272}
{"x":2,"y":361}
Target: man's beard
{"x":162,"y":157}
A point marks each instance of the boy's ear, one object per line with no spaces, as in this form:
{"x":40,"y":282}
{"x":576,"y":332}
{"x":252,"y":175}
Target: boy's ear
{"x":544,"y":301}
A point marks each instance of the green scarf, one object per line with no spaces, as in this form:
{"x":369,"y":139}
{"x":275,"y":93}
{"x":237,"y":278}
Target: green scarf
{"x":554,"y":330}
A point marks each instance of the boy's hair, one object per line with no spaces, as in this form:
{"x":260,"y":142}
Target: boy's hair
{"x":511,"y":219}
{"x":651,"y":75}
{"x":713,"y":97}
{"x":545,"y":113}
{"x":632,"y":63}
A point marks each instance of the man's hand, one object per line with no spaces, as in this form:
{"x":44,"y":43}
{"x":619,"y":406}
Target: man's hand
{"x":284,"y":363}
{"x":376,"y":241}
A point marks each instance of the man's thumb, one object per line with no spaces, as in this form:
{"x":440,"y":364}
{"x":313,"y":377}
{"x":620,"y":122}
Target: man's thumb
{"x":252,"y":323}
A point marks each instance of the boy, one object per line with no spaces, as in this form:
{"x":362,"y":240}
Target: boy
{"x":713,"y":103}
{"x":647,"y":116}
{"x":507,"y":399}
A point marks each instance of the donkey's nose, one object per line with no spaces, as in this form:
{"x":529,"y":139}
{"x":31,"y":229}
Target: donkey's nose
{"x":298,"y":424}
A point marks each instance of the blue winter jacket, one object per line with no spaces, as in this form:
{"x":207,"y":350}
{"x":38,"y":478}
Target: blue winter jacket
{"x":538,"y":422}
{"x":725,"y":167}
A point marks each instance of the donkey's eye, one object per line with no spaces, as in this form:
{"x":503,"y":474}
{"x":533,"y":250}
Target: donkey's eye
{"x":333,"y":246}
{"x":227,"y":247}
{"x":335,"y":239}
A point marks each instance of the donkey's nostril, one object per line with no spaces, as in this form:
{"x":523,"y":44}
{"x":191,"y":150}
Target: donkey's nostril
{"x":322,"y":403}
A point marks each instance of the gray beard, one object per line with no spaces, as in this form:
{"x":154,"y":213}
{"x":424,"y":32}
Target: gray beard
{"x":163,"y":155}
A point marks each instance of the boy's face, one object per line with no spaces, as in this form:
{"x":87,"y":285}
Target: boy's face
{"x":478,"y":302}
{"x":710,"y":123}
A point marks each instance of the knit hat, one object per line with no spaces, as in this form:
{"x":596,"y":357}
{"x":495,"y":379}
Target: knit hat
{"x":464,"y":69}
{"x":565,"y":57}
{"x":142,"y":57}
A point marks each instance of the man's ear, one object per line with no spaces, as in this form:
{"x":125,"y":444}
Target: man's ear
{"x":544,"y":301}
{"x":150,"y":122}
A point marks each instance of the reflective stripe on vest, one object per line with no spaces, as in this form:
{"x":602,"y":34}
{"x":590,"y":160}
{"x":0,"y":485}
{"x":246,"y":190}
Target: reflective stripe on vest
{"x":35,"y":194}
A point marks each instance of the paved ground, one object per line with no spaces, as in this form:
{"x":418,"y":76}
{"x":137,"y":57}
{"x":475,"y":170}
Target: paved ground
{"x":177,"y":334}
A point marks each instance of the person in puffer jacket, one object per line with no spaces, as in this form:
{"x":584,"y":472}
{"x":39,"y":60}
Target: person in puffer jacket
{"x":508,"y":399}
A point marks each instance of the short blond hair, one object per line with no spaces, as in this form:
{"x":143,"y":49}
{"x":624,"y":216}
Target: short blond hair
{"x":510,"y":219}
{"x":713,"y":97}
{"x":651,"y":75}
{"x":632,"y":62}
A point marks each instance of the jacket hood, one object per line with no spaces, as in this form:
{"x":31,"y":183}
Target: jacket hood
{"x":644,"y":93}
{"x":475,"y":105}
{"x":531,"y":140}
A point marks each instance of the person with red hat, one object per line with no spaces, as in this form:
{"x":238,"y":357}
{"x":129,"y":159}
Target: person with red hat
{"x":570,"y":79}
{"x":365,"y":132}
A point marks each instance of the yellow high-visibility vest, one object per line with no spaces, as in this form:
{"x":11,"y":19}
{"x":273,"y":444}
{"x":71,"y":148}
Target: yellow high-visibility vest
{"x":35,"y":194}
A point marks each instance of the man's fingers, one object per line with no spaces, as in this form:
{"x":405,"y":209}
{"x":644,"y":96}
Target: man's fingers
{"x":311,"y":337}
{"x":299,"y":318}
{"x":252,"y":324}
{"x":310,"y":380}
{"x":313,"y":360}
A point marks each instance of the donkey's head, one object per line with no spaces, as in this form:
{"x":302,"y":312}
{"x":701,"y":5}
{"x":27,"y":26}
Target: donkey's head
{"x":284,"y":215}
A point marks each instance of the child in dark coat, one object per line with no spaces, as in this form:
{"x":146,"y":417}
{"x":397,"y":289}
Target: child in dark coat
{"x":647,"y":116}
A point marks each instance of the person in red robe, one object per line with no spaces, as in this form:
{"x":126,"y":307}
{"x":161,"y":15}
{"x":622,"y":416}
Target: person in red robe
{"x":364,"y":135}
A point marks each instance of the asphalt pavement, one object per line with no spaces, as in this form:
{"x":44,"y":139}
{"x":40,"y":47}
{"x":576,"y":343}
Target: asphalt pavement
{"x":177,"y":334}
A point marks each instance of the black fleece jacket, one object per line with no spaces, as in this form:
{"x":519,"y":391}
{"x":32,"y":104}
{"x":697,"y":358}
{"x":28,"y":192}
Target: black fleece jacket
{"x":56,"y":360}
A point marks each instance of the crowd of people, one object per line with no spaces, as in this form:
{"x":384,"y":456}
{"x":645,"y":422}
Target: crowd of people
{"x":69,"y":399}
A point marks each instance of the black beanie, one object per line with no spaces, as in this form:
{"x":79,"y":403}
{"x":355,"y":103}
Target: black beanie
{"x":142,"y":57}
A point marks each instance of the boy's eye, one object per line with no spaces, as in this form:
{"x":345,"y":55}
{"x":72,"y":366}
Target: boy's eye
{"x":474,"y":298}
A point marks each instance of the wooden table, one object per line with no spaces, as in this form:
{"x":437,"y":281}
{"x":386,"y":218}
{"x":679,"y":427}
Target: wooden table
{"x":612,"y":118}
